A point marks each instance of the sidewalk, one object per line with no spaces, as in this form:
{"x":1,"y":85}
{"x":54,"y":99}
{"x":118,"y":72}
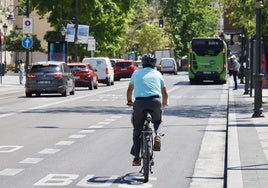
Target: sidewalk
{"x":247,"y":165}
{"x":10,"y":84}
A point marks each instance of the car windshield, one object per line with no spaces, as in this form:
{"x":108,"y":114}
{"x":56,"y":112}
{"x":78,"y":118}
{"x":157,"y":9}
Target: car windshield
{"x":123,"y":64}
{"x":77,"y":67}
{"x":45,"y":69}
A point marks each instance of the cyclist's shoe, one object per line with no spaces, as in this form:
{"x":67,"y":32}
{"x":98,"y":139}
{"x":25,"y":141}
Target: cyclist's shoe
{"x":136,"y":161}
{"x":157,"y":143}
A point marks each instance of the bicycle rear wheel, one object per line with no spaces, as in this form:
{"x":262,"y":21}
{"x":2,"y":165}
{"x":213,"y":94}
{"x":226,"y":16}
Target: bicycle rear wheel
{"x":146,"y":162}
{"x":147,"y":157}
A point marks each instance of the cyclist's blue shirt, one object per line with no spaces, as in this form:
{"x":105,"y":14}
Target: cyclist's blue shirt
{"x":147,"y":82}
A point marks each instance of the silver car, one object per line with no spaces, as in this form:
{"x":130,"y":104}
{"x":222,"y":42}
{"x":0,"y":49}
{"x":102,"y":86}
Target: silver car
{"x":49,"y":77}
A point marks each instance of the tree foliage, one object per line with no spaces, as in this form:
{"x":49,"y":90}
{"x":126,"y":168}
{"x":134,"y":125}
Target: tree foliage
{"x":107,"y":20}
{"x":189,"y":18}
{"x":243,"y":15}
{"x":150,"y":38}
{"x":14,"y":39}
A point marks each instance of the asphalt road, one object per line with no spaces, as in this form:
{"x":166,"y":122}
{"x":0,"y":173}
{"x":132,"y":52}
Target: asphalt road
{"x":84,"y":140}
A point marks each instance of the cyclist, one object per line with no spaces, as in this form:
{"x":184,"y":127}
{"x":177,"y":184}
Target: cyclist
{"x":150,"y":94}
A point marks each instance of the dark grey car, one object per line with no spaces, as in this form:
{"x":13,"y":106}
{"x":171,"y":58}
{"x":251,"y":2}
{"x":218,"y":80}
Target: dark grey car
{"x":49,"y":77}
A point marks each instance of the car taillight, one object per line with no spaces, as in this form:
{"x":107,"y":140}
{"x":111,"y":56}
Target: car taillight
{"x":30,"y":75}
{"x":107,"y":70}
{"x":58,"y":75}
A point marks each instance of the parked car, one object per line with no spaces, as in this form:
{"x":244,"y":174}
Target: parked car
{"x":168,"y":65}
{"x":103,"y":67}
{"x":84,"y":75}
{"x":49,"y":77}
{"x":124,"y":69}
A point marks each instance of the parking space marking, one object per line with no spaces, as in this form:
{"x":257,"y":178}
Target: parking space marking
{"x":10,"y":171}
{"x":49,"y":151}
{"x":31,"y":160}
{"x":77,"y":136}
{"x":64,"y":143}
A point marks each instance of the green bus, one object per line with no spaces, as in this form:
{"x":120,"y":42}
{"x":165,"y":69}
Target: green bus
{"x":207,"y":60}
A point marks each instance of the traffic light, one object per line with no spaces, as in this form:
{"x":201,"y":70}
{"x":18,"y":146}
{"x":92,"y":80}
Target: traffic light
{"x":161,"y":23}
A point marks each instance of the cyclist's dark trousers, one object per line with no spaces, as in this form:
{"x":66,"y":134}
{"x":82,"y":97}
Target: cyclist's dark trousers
{"x":138,"y":117}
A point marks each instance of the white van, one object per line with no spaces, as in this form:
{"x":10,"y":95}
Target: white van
{"x":168,"y":65}
{"x":103,"y":67}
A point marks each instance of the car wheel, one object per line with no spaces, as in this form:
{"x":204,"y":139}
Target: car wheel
{"x":73,"y":91}
{"x":64,"y":94}
{"x":28,"y":94}
{"x":91,"y":85}
{"x":109,"y":82}
{"x":96,"y":86}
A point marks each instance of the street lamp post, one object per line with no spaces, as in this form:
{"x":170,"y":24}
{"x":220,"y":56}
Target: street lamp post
{"x":27,"y":50}
{"x":76,"y":30}
{"x":5,"y":55}
{"x":258,"y":75}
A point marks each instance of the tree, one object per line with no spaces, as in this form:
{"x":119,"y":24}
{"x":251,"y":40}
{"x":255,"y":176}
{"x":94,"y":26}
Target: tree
{"x":13,"y":42}
{"x":107,"y":20}
{"x":189,"y":18}
{"x":150,"y":38}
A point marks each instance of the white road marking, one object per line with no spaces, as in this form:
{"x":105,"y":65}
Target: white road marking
{"x":110,"y":119}
{"x":31,"y":160}
{"x":9,"y":148}
{"x":64,"y":143}
{"x":77,"y":136}
{"x":104,"y":123}
{"x":87,"y":131}
{"x":49,"y":151}
{"x":10,"y":171}
{"x":116,"y":117}
{"x":95,"y":127}
{"x":85,"y":182}
{"x":60,"y":102}
{"x":234,"y":175}
{"x":57,"y":180}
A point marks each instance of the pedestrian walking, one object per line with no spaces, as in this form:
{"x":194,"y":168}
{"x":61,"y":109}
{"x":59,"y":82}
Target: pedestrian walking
{"x":234,"y":67}
{"x":21,"y":69}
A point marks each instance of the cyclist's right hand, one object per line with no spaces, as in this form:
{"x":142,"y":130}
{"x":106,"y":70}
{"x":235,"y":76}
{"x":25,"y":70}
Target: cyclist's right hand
{"x":130,"y":103}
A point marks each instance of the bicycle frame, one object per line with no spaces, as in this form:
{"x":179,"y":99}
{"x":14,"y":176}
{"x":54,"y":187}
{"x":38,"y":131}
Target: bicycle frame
{"x":147,"y":147}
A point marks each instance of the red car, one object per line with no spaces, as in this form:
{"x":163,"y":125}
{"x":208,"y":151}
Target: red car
{"x":124,"y":69}
{"x":84,"y":75}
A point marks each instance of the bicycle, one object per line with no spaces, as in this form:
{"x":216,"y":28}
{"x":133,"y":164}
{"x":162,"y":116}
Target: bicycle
{"x":147,"y":144}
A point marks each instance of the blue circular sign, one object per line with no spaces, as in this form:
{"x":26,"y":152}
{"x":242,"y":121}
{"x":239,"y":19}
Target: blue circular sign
{"x":27,"y":42}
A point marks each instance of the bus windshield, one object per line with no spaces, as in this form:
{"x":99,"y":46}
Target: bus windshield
{"x":207,"y":47}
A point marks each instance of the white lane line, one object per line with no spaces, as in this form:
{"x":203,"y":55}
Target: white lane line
{"x":31,"y":160}
{"x":87,"y":131}
{"x":104,"y":123}
{"x":110,"y":119}
{"x":10,"y":171}
{"x":49,"y":151}
{"x":95,"y":127}
{"x":60,"y":102}
{"x":234,"y":172}
{"x":116,"y":117}
{"x":77,"y":136}
{"x":64,"y":143}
